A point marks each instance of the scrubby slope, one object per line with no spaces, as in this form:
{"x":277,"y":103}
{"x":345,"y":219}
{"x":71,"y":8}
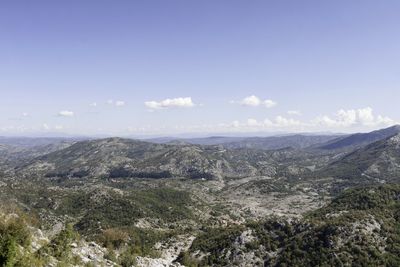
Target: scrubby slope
{"x":359,"y":228}
{"x":379,"y":162}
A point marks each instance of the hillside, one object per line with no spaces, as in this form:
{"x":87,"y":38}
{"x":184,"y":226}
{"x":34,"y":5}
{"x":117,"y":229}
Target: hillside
{"x":361,"y":139}
{"x":124,"y":202}
{"x":208,"y":141}
{"x":31,"y":142}
{"x":379,"y":162}
{"x":119,"y":158}
{"x":359,"y":228}
{"x":265,"y":143}
{"x":278,"y":142}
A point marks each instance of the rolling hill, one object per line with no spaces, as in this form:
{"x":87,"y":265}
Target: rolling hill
{"x":297,"y":141}
{"x":119,"y":158}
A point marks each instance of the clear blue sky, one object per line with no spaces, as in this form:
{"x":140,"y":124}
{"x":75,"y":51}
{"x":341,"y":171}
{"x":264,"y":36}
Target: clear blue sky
{"x":309,"y":58}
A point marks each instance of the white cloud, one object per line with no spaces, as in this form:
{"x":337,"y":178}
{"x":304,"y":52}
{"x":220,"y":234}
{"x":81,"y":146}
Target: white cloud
{"x":119,"y":103}
{"x":366,"y":117}
{"x":380,"y":120}
{"x":343,"y":120}
{"x":236,"y":124}
{"x":363,"y":117}
{"x":253,"y":123}
{"x":66,"y":113}
{"x":110,"y":101}
{"x":46,"y":126}
{"x":269,"y":103}
{"x":94,"y":104}
{"x":180,"y":102}
{"x":25,"y":114}
{"x":351,"y":120}
{"x":294,"y":112}
{"x":285,"y":122}
{"x":278,"y":123}
{"x":254,"y":101}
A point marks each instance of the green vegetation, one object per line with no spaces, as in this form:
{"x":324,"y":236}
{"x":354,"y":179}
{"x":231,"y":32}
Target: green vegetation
{"x":112,"y":209}
{"x":104,"y":208}
{"x":359,"y":228}
{"x":104,"y":215}
{"x":15,"y":241}
{"x":13,"y":233}
{"x":213,"y":241}
{"x":139,"y":241}
{"x":377,"y":161}
{"x":68,"y":174}
{"x":109,"y":191}
{"x":60,"y":246}
{"x":121,"y":172}
{"x":193,"y":173}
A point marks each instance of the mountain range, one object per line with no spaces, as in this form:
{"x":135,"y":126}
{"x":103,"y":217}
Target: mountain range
{"x":293,"y":200}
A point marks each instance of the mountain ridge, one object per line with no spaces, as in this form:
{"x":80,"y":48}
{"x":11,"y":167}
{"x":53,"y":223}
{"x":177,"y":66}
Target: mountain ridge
{"x":361,"y":139}
{"x":379,"y":161}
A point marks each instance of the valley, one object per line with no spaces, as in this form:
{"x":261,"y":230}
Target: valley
{"x":273,"y":201}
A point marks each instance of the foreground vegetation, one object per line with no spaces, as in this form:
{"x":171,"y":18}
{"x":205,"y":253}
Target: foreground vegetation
{"x":359,"y":228}
{"x":104,"y":215}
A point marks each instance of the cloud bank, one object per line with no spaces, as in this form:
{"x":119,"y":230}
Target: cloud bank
{"x":351,"y":120}
{"x":353,"y":117}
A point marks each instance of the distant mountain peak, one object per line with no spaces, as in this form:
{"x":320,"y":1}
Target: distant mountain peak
{"x":361,"y":139}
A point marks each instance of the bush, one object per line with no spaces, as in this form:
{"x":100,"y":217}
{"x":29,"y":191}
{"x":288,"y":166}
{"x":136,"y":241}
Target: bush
{"x":128,"y":257}
{"x":121,"y":172}
{"x":114,"y":238}
{"x":13,"y":233}
{"x":60,"y":246}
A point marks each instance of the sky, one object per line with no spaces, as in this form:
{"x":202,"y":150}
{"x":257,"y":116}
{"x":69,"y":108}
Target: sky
{"x":170,"y":67}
